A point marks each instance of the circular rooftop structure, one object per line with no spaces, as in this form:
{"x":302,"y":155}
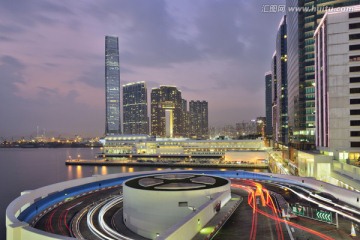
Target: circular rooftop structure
{"x":154,"y":203}
{"x":176,"y":182}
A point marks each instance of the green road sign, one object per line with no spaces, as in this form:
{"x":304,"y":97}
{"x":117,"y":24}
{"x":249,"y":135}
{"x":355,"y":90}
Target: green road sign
{"x":298,"y":210}
{"x":323,"y":216}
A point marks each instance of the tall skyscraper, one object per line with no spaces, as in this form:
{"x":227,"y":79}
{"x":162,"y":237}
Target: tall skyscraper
{"x":199,"y":119}
{"x":274,"y":95}
{"x":268,"y":104}
{"x":166,"y":112}
{"x":337,"y":61}
{"x":301,"y":67}
{"x":135,"y":117}
{"x":281,"y":84}
{"x":112,"y":86}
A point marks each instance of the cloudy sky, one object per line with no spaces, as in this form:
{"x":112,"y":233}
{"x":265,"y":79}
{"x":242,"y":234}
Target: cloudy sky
{"x":52,"y":58}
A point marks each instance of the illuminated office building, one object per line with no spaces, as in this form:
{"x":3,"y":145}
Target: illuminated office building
{"x":281,"y":84}
{"x":268,"y":104}
{"x":135,"y":117}
{"x":274,"y":96}
{"x":112,"y":86}
{"x":337,"y":62}
{"x":301,"y":26}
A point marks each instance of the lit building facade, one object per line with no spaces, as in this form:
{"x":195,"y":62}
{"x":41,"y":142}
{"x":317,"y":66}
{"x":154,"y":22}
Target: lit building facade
{"x":268,"y":104}
{"x":144,"y":145}
{"x":274,"y":95}
{"x":301,"y":26}
{"x":135,"y":114}
{"x":186,"y":118}
{"x":166,"y":112}
{"x":337,"y":61}
{"x":281,"y":84}
{"x":199,"y":119}
{"x":112,"y":86}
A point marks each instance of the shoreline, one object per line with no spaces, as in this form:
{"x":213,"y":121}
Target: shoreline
{"x":160,"y":164}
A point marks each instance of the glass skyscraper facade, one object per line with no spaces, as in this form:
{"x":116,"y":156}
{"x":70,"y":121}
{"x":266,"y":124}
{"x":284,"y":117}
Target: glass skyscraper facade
{"x":135,"y":114}
{"x":274,"y":121}
{"x":112,"y":86}
{"x":281,"y":84}
{"x":268,"y":104}
{"x":301,"y":26}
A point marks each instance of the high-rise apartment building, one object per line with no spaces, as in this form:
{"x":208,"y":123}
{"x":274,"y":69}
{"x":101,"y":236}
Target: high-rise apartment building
{"x":199,"y":119}
{"x":281,"y":84}
{"x":337,"y":62}
{"x":301,"y":66}
{"x":135,"y":114}
{"x":112,"y":86}
{"x":166,"y":112}
{"x":186,"y":118}
{"x":268,"y":104}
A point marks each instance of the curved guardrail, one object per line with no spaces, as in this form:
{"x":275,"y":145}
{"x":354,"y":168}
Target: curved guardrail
{"x":23,"y":210}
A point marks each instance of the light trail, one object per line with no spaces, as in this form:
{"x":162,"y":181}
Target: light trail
{"x":89,"y":221}
{"x":323,"y":205}
{"x":276,"y":218}
{"x":271,"y":204}
{"x":104,"y":226}
{"x":104,"y":206}
{"x":49,"y":226}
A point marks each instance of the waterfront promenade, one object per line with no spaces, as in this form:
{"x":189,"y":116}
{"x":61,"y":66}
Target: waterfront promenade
{"x":163,"y":163}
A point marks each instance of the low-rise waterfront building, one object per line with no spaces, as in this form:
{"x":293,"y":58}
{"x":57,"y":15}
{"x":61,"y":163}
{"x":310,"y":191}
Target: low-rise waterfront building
{"x":143,"y":145}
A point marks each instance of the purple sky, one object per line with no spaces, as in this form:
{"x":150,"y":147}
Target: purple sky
{"x":52,"y":58}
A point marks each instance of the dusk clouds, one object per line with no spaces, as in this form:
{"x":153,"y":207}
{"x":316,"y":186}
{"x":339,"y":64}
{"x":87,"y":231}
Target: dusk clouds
{"x":52,"y":58}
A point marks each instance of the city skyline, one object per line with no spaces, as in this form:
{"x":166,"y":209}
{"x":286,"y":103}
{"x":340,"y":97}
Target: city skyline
{"x":52,"y":63}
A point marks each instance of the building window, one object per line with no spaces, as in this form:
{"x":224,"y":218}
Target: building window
{"x":354,"y":36}
{"x":354,"y":25}
{"x":355,"y":112}
{"x":183,"y":204}
{"x":355,"y":123}
{"x":354,"y":90}
{"x":354,"y":15}
{"x":354,"y":58}
{"x":355,"y":133}
{"x":354,"y":47}
{"x":355,"y":69}
{"x":355,"y":144}
{"x":355,"y":80}
{"x":355,"y":101}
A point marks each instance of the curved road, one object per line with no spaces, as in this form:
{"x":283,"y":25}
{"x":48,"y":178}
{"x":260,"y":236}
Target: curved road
{"x":258,"y":217}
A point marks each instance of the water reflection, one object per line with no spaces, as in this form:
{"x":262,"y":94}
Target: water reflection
{"x":70,"y":172}
{"x":131,"y":169}
{"x":79,"y":172}
{"x":104,"y":170}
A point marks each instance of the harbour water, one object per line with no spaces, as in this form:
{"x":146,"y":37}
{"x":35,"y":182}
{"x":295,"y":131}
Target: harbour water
{"x":31,"y":168}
